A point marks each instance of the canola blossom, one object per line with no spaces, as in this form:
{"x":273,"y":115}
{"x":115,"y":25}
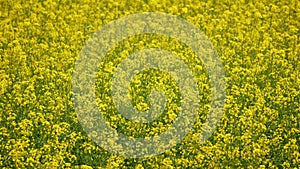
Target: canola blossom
{"x":42,"y":42}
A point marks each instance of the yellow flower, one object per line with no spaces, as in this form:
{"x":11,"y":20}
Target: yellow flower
{"x":256,"y":41}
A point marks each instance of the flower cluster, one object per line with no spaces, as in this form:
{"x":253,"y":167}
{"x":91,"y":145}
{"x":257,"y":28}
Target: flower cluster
{"x":257,"y":41}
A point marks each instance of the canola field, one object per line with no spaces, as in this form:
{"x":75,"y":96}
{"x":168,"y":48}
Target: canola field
{"x":258,"y":42}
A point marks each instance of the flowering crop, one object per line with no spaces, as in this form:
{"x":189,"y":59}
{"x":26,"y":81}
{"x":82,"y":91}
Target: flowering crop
{"x":257,"y":41}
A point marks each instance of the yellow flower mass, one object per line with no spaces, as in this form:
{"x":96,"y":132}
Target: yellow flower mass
{"x":258,"y":42}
